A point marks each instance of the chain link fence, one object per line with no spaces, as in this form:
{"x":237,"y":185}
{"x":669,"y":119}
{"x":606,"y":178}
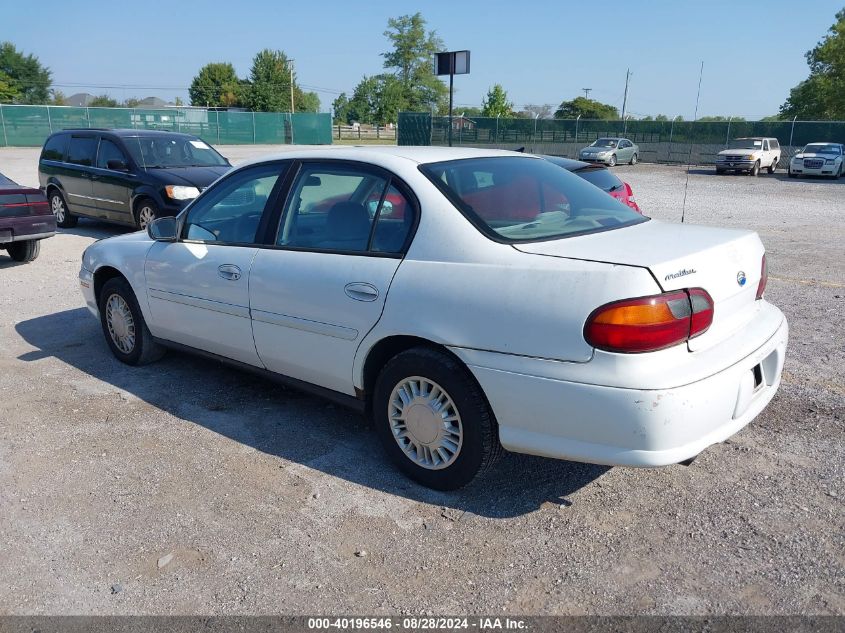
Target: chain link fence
{"x":697,"y":142}
{"x":28,"y":126}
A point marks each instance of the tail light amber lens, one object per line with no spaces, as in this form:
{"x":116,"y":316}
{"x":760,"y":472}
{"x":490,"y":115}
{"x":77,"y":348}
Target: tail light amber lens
{"x":764,"y":279}
{"x":648,"y":324}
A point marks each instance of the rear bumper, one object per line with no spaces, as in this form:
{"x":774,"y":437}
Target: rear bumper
{"x":566,"y":419}
{"x":28,"y":227}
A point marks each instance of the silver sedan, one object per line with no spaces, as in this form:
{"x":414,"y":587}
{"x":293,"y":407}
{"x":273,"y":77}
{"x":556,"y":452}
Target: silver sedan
{"x":611,"y":151}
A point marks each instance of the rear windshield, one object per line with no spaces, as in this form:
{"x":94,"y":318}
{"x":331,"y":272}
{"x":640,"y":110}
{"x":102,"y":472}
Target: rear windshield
{"x":517,"y":199}
{"x":601,"y":178}
{"x":164,"y":150}
{"x":5,"y":181}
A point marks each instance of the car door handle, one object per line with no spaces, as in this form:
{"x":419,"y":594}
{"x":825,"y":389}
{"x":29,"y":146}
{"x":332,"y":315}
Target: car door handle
{"x":229,"y":272}
{"x":361,"y":291}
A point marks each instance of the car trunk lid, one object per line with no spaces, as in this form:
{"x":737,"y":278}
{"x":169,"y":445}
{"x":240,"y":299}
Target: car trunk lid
{"x":725,"y":262}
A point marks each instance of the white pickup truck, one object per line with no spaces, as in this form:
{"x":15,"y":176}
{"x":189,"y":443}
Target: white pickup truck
{"x":749,"y":155}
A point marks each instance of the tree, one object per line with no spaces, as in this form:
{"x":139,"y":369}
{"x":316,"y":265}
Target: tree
{"x":822,"y":94}
{"x":496,"y":103}
{"x":469,"y":112}
{"x":178,"y":101}
{"x":411,"y":63}
{"x":270,"y":82}
{"x":103,"y":101}
{"x":216,"y":85}
{"x":540,"y":111}
{"x":306,"y":101}
{"x":376,"y":99}
{"x":58,"y":97}
{"x":340,"y":109}
{"x":25,"y":79}
{"x":587,"y":108}
{"x":131,"y":102}
{"x":720,"y":118}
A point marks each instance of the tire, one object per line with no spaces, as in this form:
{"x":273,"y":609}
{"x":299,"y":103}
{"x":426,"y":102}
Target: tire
{"x":145,"y":212}
{"x":839,"y":173}
{"x":791,"y":173}
{"x":24,"y":251}
{"x":720,"y":172}
{"x":137,"y":346}
{"x":64,"y":218}
{"x":633,"y":160}
{"x":755,"y":169}
{"x":771,"y":168}
{"x":462,"y":450}
{"x":612,"y":161}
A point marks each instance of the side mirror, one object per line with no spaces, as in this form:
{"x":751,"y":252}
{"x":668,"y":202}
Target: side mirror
{"x":117,"y":165}
{"x":162,"y":229}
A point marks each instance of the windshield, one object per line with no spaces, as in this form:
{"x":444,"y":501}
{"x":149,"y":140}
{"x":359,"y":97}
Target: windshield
{"x":164,"y":150}
{"x":745,"y":143}
{"x":823,"y":148}
{"x":604,"y":142}
{"x":518,"y":199}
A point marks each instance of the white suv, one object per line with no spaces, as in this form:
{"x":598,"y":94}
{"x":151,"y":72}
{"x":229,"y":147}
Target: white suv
{"x":749,"y":155}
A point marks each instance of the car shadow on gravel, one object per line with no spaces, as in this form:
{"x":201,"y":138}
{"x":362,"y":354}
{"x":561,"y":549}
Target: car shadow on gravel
{"x":297,"y":427}
{"x":97,"y":230}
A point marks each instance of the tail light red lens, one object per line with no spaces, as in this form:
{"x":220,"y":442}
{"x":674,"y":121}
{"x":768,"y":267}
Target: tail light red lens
{"x":764,"y":279}
{"x":648,"y":324}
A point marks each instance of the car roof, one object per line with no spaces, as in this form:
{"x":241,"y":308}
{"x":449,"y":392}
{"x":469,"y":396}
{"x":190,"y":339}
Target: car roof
{"x":569,"y":163}
{"x":755,"y":138}
{"x":419,"y":154}
{"x":128,"y":132}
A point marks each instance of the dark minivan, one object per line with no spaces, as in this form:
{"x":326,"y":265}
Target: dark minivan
{"x":124,"y":176}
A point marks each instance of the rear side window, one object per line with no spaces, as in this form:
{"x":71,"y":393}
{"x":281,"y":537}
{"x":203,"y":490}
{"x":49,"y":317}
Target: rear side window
{"x":82,"y":150}
{"x":530,"y":199}
{"x":54,"y":148}
{"x":601,"y":178}
{"x":774,"y":144}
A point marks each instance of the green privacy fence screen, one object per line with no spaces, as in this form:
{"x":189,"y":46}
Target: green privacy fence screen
{"x":28,"y":126}
{"x":659,"y":141}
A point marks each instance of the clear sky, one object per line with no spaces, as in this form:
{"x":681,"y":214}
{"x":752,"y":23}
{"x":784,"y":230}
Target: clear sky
{"x":541,"y":52}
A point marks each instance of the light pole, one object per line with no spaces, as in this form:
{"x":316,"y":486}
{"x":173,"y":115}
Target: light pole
{"x":496,"y":138}
{"x":578,"y":118}
{"x":728,"y":135}
{"x":671,"y":131}
{"x":791,"y":132}
{"x":534,"y":139}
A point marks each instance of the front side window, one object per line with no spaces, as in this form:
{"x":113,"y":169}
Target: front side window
{"x":108,"y":151}
{"x":54,"y":148}
{"x":230,"y":211}
{"x":530,"y":199}
{"x":172,"y":150}
{"x":347,"y":209}
{"x":82,"y":150}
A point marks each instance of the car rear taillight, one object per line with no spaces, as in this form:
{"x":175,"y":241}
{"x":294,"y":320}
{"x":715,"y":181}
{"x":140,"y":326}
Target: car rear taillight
{"x":764,"y":279}
{"x":648,"y":324}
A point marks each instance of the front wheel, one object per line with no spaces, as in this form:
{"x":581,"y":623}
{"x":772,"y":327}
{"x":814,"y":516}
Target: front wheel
{"x":633,"y":160}
{"x":64,"y":218}
{"x":123,"y":324}
{"x":24,"y":251}
{"x":146,"y":212}
{"x":612,"y":161}
{"x":433,"y":419}
{"x":755,"y":169}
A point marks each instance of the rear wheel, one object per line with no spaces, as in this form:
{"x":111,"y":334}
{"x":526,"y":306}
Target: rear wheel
{"x":755,"y":169}
{"x":433,"y":419}
{"x":24,"y":251}
{"x":634,"y":159}
{"x":612,"y":161}
{"x":771,"y":168}
{"x":64,"y":218}
{"x":123,"y":324}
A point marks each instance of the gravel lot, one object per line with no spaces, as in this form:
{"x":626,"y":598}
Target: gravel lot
{"x":189,"y":488}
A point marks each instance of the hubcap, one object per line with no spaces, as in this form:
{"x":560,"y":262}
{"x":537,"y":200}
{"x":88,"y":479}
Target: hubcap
{"x":145,"y":216}
{"x":120,"y":323}
{"x":58,"y":208}
{"x":425,"y":423}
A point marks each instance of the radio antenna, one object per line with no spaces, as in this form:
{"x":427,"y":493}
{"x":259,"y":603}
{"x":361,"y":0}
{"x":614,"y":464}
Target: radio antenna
{"x":689,"y":157}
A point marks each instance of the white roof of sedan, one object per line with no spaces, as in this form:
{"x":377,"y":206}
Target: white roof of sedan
{"x":415,"y":153}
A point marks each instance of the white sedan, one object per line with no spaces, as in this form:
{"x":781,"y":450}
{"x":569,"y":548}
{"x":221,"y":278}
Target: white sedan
{"x":818,"y":159}
{"x":466,"y":300}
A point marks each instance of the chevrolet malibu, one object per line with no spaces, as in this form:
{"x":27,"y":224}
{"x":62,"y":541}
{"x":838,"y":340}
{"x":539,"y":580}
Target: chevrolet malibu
{"x":497,"y":302}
